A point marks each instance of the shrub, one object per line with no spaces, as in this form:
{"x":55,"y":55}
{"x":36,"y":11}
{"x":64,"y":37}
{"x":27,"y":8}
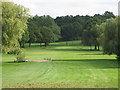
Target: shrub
{"x":20,"y":57}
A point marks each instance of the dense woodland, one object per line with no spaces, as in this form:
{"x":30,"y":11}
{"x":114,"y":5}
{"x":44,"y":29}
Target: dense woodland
{"x":18,"y":28}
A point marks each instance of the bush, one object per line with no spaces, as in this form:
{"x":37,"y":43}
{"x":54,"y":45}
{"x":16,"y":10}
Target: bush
{"x":20,"y":57}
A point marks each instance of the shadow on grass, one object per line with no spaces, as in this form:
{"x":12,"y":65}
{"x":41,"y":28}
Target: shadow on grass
{"x":89,"y":60}
{"x":15,"y":62}
{"x":53,"y":44}
{"x":93,"y":54}
{"x":96,"y":63}
{"x":65,"y":45}
{"x":70,"y":49}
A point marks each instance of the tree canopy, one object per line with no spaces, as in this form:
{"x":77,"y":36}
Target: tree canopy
{"x":43,"y":29}
{"x":111,"y":37}
{"x":85,"y":28}
{"x":14,"y":25}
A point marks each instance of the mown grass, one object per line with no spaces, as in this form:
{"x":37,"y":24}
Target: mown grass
{"x":73,"y":66}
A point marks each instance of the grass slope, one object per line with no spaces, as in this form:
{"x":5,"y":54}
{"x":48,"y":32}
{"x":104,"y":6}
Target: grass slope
{"x":74,"y":66}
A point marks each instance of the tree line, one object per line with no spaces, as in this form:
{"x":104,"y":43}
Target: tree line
{"x":41,"y":29}
{"x":19,"y":27}
{"x":82,"y":27}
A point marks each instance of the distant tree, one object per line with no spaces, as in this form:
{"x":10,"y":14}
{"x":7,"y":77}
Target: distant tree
{"x":50,"y":31}
{"x":111,"y":36}
{"x":90,"y":34}
{"x":86,"y":37}
{"x":71,"y":27}
{"x":89,"y":38}
{"x":14,"y":19}
{"x":47,"y":35}
{"x":39,"y":26}
{"x":108,"y":15}
{"x":67,"y":32}
{"x":96,"y":33}
{"x":94,"y":30}
{"x":25,"y":39}
{"x":72,"y":31}
{"x":31,"y":29}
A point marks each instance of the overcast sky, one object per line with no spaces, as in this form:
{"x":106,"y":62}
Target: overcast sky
{"x":69,"y":7}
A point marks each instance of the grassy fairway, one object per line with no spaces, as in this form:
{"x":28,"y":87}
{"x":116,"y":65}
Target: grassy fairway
{"x":73,"y":66}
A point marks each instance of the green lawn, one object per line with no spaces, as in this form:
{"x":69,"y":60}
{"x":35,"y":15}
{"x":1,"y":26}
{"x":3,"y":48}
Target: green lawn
{"x":73,"y":66}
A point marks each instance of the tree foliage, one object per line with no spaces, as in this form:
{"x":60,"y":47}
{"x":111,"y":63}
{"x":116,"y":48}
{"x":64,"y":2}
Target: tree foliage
{"x":75,"y":27}
{"x":43,"y":29}
{"x":110,"y":36}
{"x":91,"y":36}
{"x":14,"y":19}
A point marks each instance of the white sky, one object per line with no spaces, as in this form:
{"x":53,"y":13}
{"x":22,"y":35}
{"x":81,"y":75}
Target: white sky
{"x":69,"y":7}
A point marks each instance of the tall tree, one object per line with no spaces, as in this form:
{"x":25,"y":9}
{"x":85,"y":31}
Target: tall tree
{"x":71,"y":27}
{"x":49,"y":30}
{"x":94,"y":29}
{"x":108,"y":15}
{"x":47,"y":35}
{"x":14,"y":19}
{"x":32,"y":27}
{"x":111,"y":36}
{"x":39,"y":26}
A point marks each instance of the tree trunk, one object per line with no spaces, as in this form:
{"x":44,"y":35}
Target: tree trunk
{"x":90,"y":47}
{"x":46,"y":44}
{"x":20,"y":44}
{"x":95,"y":47}
{"x":23,"y":45}
{"x":29,"y":44}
